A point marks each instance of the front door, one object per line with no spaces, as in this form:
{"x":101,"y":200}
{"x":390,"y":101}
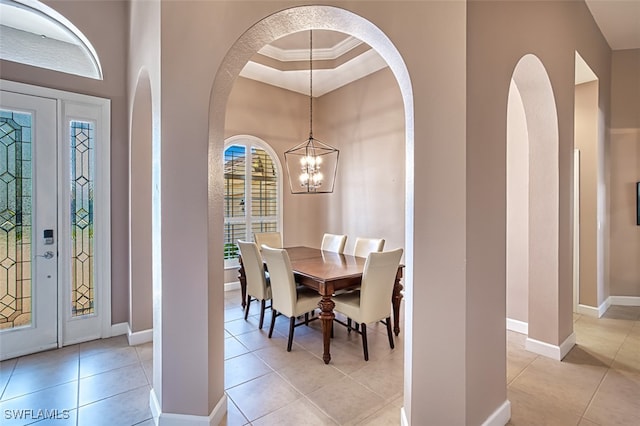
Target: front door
{"x":28,"y":225}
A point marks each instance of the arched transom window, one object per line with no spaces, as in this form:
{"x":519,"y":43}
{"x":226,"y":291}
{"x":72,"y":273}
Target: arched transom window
{"x":252,"y":191}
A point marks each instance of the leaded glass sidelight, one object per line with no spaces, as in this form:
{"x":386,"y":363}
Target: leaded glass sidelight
{"x":82,"y":241}
{"x":15,"y":219}
{"x":251,"y":191}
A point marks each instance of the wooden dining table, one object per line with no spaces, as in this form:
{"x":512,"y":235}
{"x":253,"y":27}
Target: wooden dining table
{"x":328,"y":272}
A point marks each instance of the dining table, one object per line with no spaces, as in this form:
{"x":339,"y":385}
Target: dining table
{"x":327,"y":273}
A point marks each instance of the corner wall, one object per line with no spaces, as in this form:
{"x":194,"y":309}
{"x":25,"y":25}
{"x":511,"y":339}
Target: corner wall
{"x":624,"y":172}
{"x":365,"y":120}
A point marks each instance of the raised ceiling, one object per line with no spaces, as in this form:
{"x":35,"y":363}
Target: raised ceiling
{"x":338,"y":59}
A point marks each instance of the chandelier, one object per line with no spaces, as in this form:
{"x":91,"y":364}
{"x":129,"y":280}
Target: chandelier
{"x":312,"y":164}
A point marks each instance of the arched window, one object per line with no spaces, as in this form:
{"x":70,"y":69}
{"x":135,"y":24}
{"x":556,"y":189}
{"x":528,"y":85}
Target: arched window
{"x":35,"y":34}
{"x":252,"y":191}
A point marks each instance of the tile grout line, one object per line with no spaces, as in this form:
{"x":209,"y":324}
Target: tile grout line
{"x":523,"y":370}
{"x":6,"y":385}
{"x":606,"y":373}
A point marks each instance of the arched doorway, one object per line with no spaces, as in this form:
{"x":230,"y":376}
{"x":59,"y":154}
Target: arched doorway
{"x":266,"y":31}
{"x":140,"y":234}
{"x":535,"y":297}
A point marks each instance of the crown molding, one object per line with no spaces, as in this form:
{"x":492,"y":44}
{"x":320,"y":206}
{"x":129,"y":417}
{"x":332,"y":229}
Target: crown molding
{"x":322,"y":54}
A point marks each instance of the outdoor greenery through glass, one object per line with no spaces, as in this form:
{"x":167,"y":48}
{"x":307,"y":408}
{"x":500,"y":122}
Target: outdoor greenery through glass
{"x":15,"y":219}
{"x":248,"y":208}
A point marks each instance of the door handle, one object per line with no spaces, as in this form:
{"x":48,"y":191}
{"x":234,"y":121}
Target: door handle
{"x":46,"y":255}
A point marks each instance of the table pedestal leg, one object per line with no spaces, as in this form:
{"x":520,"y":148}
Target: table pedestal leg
{"x":326,"y":316}
{"x":396,"y":299}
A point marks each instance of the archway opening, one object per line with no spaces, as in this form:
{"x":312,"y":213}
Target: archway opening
{"x":140,"y":211}
{"x":534,"y":296}
{"x":265,"y":32}
{"x":589,"y":196}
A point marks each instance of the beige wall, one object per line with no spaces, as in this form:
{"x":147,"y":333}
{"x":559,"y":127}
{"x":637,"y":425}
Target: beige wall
{"x":365,"y":120}
{"x":141,"y":235}
{"x":100,"y":18}
{"x":586,"y":140}
{"x":624,"y":173}
{"x":517,"y":208}
{"x":281,"y":119}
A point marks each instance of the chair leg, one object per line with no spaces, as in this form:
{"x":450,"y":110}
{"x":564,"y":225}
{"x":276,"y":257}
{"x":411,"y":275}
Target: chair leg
{"x":292,"y":326}
{"x":274,"y":313}
{"x":348,"y":325}
{"x":246,"y":309}
{"x":389,"y":333}
{"x":306,"y":318}
{"x":365,"y":348}
{"x":263,"y":306}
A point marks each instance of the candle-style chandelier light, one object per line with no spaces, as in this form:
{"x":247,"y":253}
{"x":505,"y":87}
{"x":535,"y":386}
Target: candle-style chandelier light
{"x":312,"y":164}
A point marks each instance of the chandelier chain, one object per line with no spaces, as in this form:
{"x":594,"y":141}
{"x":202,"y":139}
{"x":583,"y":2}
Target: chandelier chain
{"x":310,"y":84}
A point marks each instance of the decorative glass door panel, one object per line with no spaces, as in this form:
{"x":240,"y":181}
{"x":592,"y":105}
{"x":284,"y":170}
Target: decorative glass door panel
{"x":15,"y":219}
{"x":82,"y":177}
{"x":28,"y":215}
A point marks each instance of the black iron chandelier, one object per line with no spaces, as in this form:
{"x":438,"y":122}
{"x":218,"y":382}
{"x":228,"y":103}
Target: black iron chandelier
{"x":312,"y":164}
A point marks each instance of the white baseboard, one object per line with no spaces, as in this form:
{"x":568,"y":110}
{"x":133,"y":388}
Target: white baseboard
{"x":517,"y":326}
{"x":501,"y":416}
{"x":119,"y":329}
{"x":139,"y":337}
{"x":169,"y":419}
{"x":624,"y":300}
{"x":593,"y":311}
{"x":549,"y":350}
{"x":232,"y":286}
{"x":154,"y":405}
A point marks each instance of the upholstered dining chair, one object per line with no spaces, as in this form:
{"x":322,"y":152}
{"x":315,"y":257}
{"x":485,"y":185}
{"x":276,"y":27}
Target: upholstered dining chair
{"x":333,"y":242}
{"x":372,"y":302}
{"x":288,"y":299}
{"x":271,"y":239}
{"x":364,"y":246}
{"x":258,"y":286}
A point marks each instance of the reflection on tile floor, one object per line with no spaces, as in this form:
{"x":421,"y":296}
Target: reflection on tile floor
{"x":108,"y":382}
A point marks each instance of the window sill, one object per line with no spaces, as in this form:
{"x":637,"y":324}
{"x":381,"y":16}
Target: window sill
{"x":231,"y":264}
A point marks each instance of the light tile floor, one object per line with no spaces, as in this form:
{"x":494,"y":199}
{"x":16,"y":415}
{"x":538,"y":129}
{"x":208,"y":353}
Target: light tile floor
{"x":107,"y":382}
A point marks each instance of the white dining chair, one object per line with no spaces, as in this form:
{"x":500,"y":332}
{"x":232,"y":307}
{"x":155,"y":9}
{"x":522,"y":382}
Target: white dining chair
{"x":372,"y":302}
{"x":271,"y":239}
{"x":258,"y":285}
{"x":364,"y":246}
{"x":287,"y":299}
{"x":333,"y":242}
